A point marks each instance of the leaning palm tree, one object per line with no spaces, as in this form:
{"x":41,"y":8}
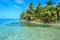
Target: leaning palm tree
{"x":24,"y":15}
{"x":29,"y":13}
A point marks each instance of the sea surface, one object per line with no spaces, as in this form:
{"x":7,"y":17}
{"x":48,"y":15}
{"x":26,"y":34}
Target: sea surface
{"x":28,"y":31}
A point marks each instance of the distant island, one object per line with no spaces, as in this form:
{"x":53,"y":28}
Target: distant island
{"x":50,"y":13}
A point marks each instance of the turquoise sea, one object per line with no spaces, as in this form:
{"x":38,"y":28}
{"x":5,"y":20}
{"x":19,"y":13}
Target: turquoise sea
{"x":27,"y":31}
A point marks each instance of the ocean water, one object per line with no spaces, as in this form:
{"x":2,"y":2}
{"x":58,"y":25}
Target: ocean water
{"x":27,"y":31}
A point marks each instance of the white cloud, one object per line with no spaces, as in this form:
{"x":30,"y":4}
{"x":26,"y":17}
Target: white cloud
{"x":20,"y":2}
{"x":14,"y":3}
{"x":15,"y":6}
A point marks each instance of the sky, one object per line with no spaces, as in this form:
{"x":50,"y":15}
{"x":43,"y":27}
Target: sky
{"x":11,"y":9}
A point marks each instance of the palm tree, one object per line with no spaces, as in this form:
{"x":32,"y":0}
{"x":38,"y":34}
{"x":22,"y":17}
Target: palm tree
{"x":30,"y":8}
{"x":58,"y":11}
{"x":50,"y":2}
{"x":38,"y":10}
{"x":58,"y":7}
{"x":50,"y":10}
{"x":30,"y":11}
{"x":24,"y":15}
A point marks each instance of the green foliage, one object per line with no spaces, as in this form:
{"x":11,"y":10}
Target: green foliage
{"x":47,"y":13}
{"x":58,"y":6}
{"x":30,"y":8}
{"x":50,"y":2}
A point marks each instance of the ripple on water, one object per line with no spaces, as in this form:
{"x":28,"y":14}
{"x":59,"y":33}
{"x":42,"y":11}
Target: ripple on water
{"x":29,"y":32}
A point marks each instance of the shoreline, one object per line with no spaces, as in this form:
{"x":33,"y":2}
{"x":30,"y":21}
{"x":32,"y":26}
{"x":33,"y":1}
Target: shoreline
{"x":39,"y":22}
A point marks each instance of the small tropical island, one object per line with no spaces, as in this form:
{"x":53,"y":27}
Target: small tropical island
{"x":49,"y":13}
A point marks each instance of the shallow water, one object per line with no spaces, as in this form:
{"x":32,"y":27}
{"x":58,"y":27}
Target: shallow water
{"x":25,"y":31}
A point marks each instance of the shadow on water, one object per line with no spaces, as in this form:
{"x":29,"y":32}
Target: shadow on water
{"x":55,"y":26}
{"x":51,"y":26}
{"x":29,"y":25}
{"x":35,"y":25}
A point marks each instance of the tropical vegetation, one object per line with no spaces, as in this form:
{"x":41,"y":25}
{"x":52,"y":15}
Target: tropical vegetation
{"x":48,"y":13}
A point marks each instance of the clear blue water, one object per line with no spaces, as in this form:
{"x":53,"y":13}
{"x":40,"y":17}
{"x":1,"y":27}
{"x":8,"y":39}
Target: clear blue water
{"x":27,"y":31}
